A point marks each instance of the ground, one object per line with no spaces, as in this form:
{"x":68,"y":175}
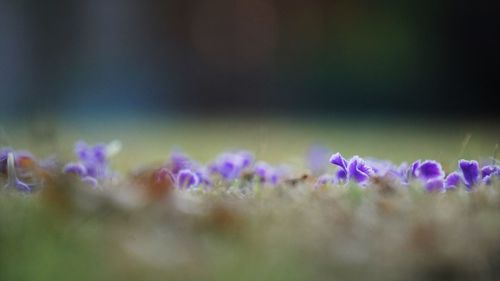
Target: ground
{"x":290,"y":232}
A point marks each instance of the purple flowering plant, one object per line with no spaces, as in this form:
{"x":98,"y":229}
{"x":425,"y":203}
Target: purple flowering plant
{"x":92,"y":167}
{"x":93,"y":162}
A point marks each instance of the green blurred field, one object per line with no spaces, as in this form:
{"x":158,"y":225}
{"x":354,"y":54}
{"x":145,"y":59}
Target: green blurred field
{"x":273,"y":139}
{"x":287,"y":233}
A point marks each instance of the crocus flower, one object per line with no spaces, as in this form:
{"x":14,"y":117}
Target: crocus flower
{"x":204,"y":176}
{"x":76,"y":169}
{"x":412,"y":170}
{"x":488,"y":172}
{"x":267,"y":173}
{"x":435,"y":185}
{"x":93,"y":162}
{"x":340,"y":161}
{"x":428,"y":170}
{"x":179,"y":161}
{"x":231,"y":165}
{"x":12,"y":181}
{"x":317,"y":157}
{"x":94,"y":158}
{"x":246,"y":157}
{"x":453,"y":180}
{"x":356,"y":169}
{"x":430,"y":173}
{"x":187,"y":179}
{"x":470,"y":172}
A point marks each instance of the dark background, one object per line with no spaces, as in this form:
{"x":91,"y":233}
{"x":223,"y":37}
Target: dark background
{"x":417,"y":57}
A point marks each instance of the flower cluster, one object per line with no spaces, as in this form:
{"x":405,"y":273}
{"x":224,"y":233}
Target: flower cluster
{"x":185,"y":172}
{"x":188,"y":173}
{"x":18,"y":168}
{"x":428,"y":173}
{"x":93,"y":162}
{"x":227,"y":167}
{"x":231,"y":165}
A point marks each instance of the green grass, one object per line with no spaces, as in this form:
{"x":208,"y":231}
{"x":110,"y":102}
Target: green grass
{"x":286,"y":233}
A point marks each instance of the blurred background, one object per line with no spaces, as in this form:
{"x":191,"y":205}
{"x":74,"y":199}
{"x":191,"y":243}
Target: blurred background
{"x":248,"y":57}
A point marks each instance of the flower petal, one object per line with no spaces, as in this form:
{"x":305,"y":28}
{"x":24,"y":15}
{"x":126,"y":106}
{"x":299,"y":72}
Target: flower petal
{"x":358,"y":170}
{"x":470,"y":171}
{"x":75,"y":168}
{"x":434,"y":185}
{"x":429,"y":169}
{"x":187,"y":179}
{"x":341,"y":175}
{"x":453,"y":180}
{"x":413,"y":169}
{"x":488,"y":170}
{"x":317,"y":159}
{"x":338,"y":160}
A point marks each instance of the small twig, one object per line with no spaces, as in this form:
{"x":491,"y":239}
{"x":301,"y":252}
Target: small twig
{"x":465,"y":143}
{"x":494,"y":157}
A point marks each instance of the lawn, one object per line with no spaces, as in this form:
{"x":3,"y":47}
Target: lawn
{"x":245,"y":228}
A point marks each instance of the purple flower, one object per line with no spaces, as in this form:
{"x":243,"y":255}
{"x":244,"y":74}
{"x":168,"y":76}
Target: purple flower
{"x":488,"y":172}
{"x":75,"y":168}
{"x":231,"y":165}
{"x":453,"y":180}
{"x":268,"y":173}
{"x":179,"y":161}
{"x":340,"y":161}
{"x":229,"y":169}
{"x":412,"y":170}
{"x":435,"y":185}
{"x":470,"y":172}
{"x":94,"y":158}
{"x":187,"y":179}
{"x":262,"y":168}
{"x":428,"y":170}
{"x":204,"y":176}
{"x":341,"y":175}
{"x":93,"y":162}
{"x":246,"y":158}
{"x":12,"y":181}
{"x":324,"y":180}
{"x":386,"y":169}
{"x":317,"y":157}
{"x":358,"y":170}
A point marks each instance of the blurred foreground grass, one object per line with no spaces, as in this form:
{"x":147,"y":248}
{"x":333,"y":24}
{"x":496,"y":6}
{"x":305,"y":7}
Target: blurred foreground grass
{"x":286,"y":233}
